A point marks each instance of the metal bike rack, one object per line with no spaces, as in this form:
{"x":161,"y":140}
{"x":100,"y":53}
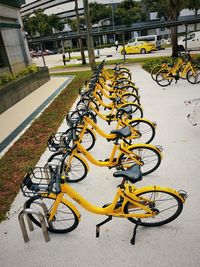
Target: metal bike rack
{"x":30,"y":225}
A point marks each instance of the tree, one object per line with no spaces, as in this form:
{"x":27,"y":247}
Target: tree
{"x":99,"y":12}
{"x":89,"y":35}
{"x":42,"y":24}
{"x":195,"y":6}
{"x":170,"y":9}
{"x":128,"y":12}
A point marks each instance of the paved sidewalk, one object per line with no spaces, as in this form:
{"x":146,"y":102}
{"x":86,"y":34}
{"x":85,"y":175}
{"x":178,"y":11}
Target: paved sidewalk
{"x":176,"y":244}
{"x":16,"y":119}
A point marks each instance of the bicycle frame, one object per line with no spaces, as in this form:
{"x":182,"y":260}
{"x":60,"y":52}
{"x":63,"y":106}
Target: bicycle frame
{"x":129,"y":194}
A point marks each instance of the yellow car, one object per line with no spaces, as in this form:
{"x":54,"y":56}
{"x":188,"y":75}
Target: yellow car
{"x":137,"y":47}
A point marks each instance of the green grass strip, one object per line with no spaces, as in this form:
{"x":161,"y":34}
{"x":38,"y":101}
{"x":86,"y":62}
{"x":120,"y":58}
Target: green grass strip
{"x":26,"y":152}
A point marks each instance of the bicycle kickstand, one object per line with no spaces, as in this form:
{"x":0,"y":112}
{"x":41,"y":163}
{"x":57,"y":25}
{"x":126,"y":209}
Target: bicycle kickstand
{"x":101,"y":223}
{"x":134,"y":231}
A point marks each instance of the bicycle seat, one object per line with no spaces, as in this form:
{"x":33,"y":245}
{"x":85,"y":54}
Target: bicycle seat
{"x":132,"y":174}
{"x":127,"y":109}
{"x":123,"y":132}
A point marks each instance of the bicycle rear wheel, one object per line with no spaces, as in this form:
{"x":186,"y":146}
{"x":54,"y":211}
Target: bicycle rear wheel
{"x":166,"y":204}
{"x":129,"y":98}
{"x":149,"y":157}
{"x":134,"y":111}
{"x":145,"y":130}
{"x":163,"y":78}
{"x":64,"y":221}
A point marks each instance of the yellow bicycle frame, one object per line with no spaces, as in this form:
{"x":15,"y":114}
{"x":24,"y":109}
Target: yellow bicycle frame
{"x":128,"y":194}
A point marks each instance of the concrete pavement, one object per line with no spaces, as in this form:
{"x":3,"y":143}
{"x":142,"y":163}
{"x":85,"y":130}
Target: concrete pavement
{"x":176,"y":244}
{"x":16,"y":119}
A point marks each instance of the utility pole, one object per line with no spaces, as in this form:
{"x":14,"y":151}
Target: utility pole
{"x":89,"y":35}
{"x":79,"y":32}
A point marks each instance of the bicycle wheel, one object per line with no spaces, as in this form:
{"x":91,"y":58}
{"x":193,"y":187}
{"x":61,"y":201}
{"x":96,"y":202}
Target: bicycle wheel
{"x":64,"y":221}
{"x":74,"y":172}
{"x":154,"y":71}
{"x":124,"y":74}
{"x":145,"y":130}
{"x":88,"y":139}
{"x":149,"y":157}
{"x":163,"y":78}
{"x":129,"y":98}
{"x":193,"y":75}
{"x":134,"y":111}
{"x":74,"y":116}
{"x":167,"y":206}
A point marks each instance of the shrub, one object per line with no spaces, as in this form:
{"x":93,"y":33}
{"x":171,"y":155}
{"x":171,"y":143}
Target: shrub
{"x":8,"y":78}
{"x":150,"y":63}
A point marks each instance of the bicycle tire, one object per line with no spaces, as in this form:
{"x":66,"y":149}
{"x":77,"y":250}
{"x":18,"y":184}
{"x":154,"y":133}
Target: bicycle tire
{"x":129,"y":97}
{"x":193,"y":78}
{"x":171,"y":199}
{"x":64,"y":221}
{"x":149,"y":156}
{"x":76,"y":172}
{"x":136,"y":112}
{"x":125,"y":74}
{"x":145,"y":128}
{"x":73,"y":117}
{"x":154,"y":72}
{"x":83,"y":103}
{"x":88,"y":140}
{"x":161,"y":77}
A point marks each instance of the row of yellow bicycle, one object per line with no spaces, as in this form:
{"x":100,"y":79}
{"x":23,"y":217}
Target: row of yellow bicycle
{"x":110,"y":96}
{"x":182,"y":67}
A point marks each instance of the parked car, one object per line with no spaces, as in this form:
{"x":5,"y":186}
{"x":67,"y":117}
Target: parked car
{"x":153,"y":39}
{"x":34,"y":53}
{"x":193,"y":41}
{"x":137,"y":47}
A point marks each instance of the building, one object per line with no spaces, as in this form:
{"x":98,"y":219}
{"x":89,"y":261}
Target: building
{"x":65,"y":9}
{"x":14,"y":52}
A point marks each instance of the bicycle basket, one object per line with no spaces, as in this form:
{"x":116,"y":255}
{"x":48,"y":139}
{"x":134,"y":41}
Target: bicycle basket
{"x":37,"y":181}
{"x":59,"y":141}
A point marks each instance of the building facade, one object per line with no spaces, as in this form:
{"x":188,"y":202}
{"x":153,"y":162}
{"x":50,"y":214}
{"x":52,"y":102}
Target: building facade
{"x":14,"y":52}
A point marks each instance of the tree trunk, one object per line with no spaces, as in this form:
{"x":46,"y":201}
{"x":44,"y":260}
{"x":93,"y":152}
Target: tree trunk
{"x":174,"y":37}
{"x":79,"y":32}
{"x":89,"y":35}
{"x":174,"y":34}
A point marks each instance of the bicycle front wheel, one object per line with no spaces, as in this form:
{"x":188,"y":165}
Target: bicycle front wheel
{"x":88,"y":139}
{"x":64,"y":221}
{"x":148,"y":156}
{"x":74,"y":171}
{"x":166,"y":205}
{"x":193,"y":75}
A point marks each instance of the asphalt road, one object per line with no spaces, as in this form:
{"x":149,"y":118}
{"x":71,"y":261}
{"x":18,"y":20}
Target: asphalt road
{"x":176,"y":244}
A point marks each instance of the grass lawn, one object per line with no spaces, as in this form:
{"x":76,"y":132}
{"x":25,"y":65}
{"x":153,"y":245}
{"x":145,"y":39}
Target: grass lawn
{"x":26,"y":152}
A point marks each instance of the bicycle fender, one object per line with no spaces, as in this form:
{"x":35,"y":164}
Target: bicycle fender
{"x":158,"y":188}
{"x":68,"y":203}
{"x":141,"y":119}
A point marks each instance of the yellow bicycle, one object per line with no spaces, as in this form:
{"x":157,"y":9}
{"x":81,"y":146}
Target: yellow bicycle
{"x":148,"y":206}
{"x":73,"y":161}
